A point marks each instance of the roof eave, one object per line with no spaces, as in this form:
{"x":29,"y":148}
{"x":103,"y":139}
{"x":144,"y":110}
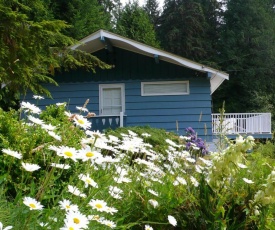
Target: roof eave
{"x":163,"y":55}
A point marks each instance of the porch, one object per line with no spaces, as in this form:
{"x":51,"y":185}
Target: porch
{"x":231,"y":124}
{"x":104,"y":122}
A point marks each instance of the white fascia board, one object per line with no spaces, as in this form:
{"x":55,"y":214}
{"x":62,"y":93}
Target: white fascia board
{"x":215,"y":82}
{"x":85,"y":40}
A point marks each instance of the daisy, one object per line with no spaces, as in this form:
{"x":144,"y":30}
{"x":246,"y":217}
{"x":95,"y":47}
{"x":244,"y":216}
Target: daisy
{"x":82,"y":122}
{"x":70,"y":226}
{"x":12,"y":153}
{"x":61,"y":166}
{"x":96,"y":217}
{"x":172,"y":143}
{"x":113,"y":139}
{"x":132,"y":133}
{"x":111,"y":210}
{"x":30,"y":167}
{"x":77,"y":218}
{"x":153,"y":192}
{"x":207,"y":162}
{"x":122,"y":179}
{"x":38,"y":97}
{"x":172,"y":220}
{"x":248,"y":181}
{"x":35,"y":120}
{"x":66,"y":205}
{"x":6,"y":228}
{"x":88,"y":154}
{"x":28,"y":107}
{"x":88,"y":180}
{"x":99,"y":205}
{"x":74,"y":190}
{"x":61,"y":104}
{"x":48,"y":127}
{"x":194,"y":181}
{"x":191,"y":160}
{"x":145,"y":135}
{"x":109,"y":223}
{"x":181,"y":180}
{"x":148,"y":227}
{"x":54,"y":135}
{"x":153,"y":202}
{"x":242,"y":165}
{"x":115,"y":192}
{"x":68,"y":152}
{"x":32,"y":203}
{"x":95,"y":134}
{"x":42,"y":224}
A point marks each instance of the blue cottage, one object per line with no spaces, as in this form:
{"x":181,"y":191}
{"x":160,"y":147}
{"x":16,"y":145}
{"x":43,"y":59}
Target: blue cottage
{"x":146,"y":86}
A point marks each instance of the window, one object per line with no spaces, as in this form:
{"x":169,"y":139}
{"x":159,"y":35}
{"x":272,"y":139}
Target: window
{"x":111,"y":99}
{"x":164,"y":88}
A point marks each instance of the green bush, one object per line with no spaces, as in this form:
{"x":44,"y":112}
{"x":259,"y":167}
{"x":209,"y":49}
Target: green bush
{"x":129,"y":178}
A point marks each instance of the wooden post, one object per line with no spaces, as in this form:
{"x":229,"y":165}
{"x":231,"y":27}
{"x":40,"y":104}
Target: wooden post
{"x":121,"y":119}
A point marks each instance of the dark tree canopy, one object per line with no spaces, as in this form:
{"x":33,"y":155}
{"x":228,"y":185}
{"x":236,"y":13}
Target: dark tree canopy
{"x":31,"y":51}
{"x":247,"y":53}
{"x":84,"y":16}
{"x":189,"y":28}
{"x":152,"y":9}
{"x":237,"y":37}
{"x":134,"y":23}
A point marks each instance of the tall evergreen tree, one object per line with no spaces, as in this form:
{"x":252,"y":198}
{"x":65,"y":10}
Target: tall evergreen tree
{"x":31,"y":51}
{"x":152,"y":9}
{"x":184,"y":29}
{"x":247,"y":53}
{"x":134,"y":23}
{"x":83,"y":16}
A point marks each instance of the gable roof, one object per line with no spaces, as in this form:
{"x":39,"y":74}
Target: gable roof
{"x":104,"y":39}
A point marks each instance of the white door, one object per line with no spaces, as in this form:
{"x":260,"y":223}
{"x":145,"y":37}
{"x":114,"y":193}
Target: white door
{"x":111,"y":99}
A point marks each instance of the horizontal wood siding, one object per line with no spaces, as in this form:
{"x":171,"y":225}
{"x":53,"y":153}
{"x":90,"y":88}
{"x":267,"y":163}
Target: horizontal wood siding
{"x":166,"y":111}
{"x":192,"y":110}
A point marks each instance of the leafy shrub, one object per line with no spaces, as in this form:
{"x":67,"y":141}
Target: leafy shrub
{"x":128,"y":178}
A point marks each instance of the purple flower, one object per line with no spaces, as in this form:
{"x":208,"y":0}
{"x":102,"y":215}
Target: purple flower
{"x":190,"y":131}
{"x":197,"y":141}
{"x":188,"y":145}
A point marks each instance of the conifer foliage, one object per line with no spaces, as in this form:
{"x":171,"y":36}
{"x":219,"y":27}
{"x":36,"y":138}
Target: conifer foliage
{"x":32,"y":50}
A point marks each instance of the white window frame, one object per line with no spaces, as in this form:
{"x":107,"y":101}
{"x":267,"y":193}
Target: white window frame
{"x":111,"y":86}
{"x":164,"y":83}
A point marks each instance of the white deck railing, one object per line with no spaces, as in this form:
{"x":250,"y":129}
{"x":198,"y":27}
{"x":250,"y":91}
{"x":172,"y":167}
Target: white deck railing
{"x":234,"y":123}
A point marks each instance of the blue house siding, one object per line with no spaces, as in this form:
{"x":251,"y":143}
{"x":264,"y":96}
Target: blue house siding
{"x":131,"y":69}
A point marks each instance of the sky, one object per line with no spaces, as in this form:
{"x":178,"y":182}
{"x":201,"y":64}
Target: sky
{"x":142,"y":2}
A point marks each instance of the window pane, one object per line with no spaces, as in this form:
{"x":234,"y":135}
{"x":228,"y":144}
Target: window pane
{"x":162,"y":88}
{"x":112,"y":101}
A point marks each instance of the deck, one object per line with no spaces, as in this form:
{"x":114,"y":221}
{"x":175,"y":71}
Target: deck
{"x":232,"y":124}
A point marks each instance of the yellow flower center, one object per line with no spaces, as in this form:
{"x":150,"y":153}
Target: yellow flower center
{"x":89,"y":154}
{"x":88,"y":181}
{"x":68,"y":154}
{"x":71,"y":228}
{"x":80,"y":121}
{"x":68,"y":206}
{"x":32,"y":205}
{"x":99,"y":206}
{"x":96,"y":217}
{"x":76,"y":221}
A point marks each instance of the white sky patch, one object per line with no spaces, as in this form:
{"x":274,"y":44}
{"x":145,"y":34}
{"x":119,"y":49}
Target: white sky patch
{"x":142,"y":2}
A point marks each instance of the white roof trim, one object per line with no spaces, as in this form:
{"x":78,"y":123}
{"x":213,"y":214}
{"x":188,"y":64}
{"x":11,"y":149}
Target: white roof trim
{"x":217,"y":76}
